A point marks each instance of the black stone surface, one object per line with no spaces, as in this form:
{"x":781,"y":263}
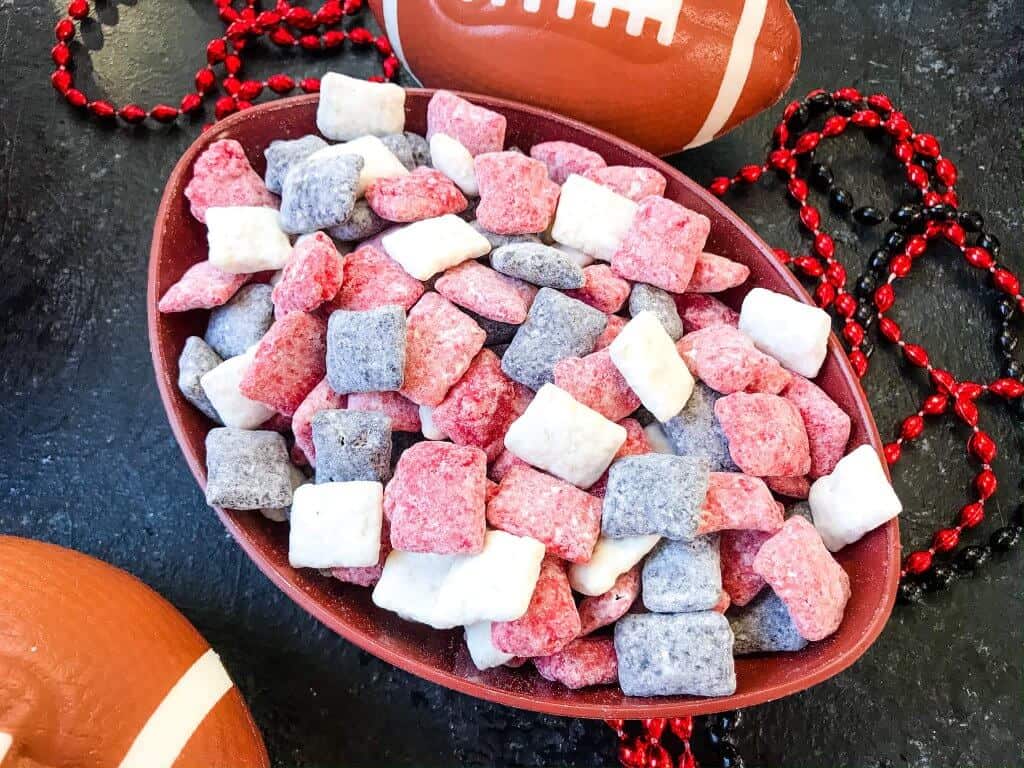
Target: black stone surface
{"x":88,"y":461}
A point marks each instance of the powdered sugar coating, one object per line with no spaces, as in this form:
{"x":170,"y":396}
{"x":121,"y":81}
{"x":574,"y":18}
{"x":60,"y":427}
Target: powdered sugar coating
{"x":739,"y":502}
{"x":712,"y":274}
{"x":203,"y":286}
{"x":584,"y":662}
{"x":601,"y":610}
{"x":423,"y":194}
{"x":766,"y":434}
{"x":313,"y":275}
{"x":478,"y":408}
{"x":632,"y":182}
{"x":738,"y":550}
{"x":478,"y":129}
{"x":683,"y":576}
{"x":602,"y":289}
{"x":550,"y":622}
{"x":662,"y":244}
{"x":403,"y":414}
{"x":828,"y":426}
{"x":289,"y":362}
{"x":596,"y":382}
{"x":726,"y":360}
{"x":699,"y":311}
{"x":565,"y":157}
{"x":320,"y":398}
{"x":372,"y":279}
{"x":486,"y":292}
{"x":222,"y":177}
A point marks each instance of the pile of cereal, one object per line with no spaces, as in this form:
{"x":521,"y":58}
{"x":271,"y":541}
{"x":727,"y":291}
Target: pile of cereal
{"x":495,"y":388}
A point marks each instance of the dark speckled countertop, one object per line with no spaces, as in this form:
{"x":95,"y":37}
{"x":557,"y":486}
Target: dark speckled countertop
{"x":88,"y":460}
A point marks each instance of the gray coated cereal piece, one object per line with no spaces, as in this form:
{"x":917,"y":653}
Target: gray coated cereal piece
{"x":683,"y":576}
{"x":361,"y":224}
{"x":647,"y":297}
{"x":556,"y":327}
{"x":664,"y":654}
{"x":283,"y":154}
{"x":497,"y":240}
{"x":655,"y":493}
{"x":319,"y":193}
{"x":242,"y":322}
{"x":497,"y":331}
{"x":366,"y":350}
{"x":247,"y":469}
{"x":352,"y":445}
{"x":420,"y":148}
{"x":763,"y":625}
{"x":695,"y":431}
{"x":400,"y":147}
{"x":280,"y":514}
{"x":196,"y":359}
{"x":538,"y":264}
{"x":801,"y":509}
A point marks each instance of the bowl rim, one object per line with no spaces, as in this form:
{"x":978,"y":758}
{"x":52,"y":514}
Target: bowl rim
{"x":284,"y":577}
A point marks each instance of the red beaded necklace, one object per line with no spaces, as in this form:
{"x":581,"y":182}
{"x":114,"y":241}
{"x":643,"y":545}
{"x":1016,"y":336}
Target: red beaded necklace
{"x":936,"y":217}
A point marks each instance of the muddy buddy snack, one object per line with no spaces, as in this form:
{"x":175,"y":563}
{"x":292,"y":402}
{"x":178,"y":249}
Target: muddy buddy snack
{"x":247,"y":469}
{"x":289,"y":361}
{"x":201,"y":287}
{"x":222,"y":177}
{"x":628,"y":181}
{"x":244,"y":240}
{"x":592,"y":218}
{"x":766,"y":434}
{"x":739,"y":502}
{"x":350,"y":107}
{"x":366,"y":351}
{"x":611,"y":559}
{"x":362,"y":223}
{"x":476,"y":128}
{"x":320,"y":398}
{"x":662,"y":244}
{"x":695,"y":431}
{"x":516,"y":195}
{"x":602,"y":289}
{"x":487,"y":293}
{"x":427,"y":247}
{"x":403,"y":414}
{"x":320,"y":191}
{"x":713,"y":273}
{"x":607,"y":608}
{"x":222,"y":387}
{"x":596,"y":382}
{"x":794,"y":333}
{"x":647,"y":298}
{"x":683,"y":576}
{"x":423,"y":194}
{"x":726,"y":360}
{"x":351,"y":445}
{"x":551,"y":621}
{"x":764,"y":626}
{"x":538,"y":264}
{"x":737,"y":550}
{"x":655,"y":494}
{"x":564,"y":158}
{"x":197,"y":359}
{"x":281,"y":155}
{"x":336,"y":525}
{"x":648,"y":360}
{"x":675,"y":654}
{"x":372,"y":280}
{"x":582,"y":663}
{"x":313,"y":275}
{"x":451,"y":158}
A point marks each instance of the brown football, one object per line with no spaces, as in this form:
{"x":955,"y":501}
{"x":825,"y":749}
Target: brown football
{"x":98,"y":671}
{"x":664,"y":74}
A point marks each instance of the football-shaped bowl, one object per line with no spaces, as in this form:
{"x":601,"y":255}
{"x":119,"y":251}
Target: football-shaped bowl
{"x":872,"y":563}
{"x":666,"y":75}
{"x":98,"y":670}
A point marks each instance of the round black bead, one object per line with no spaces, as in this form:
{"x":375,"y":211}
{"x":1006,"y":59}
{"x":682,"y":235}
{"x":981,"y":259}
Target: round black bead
{"x":865,"y":314}
{"x":819,"y":102}
{"x":906,"y":215}
{"x":879,"y":260}
{"x":940,"y":577}
{"x":868,"y":216}
{"x":866,"y":285}
{"x":840,"y":200}
{"x":971,"y":558}
{"x":894,"y":241}
{"x":990,"y":243}
{"x":972,"y":221}
{"x":909,"y":592}
{"x":1006,"y":308}
{"x":1006,"y":538}
{"x":798,"y":120}
{"x":940,"y":212}
{"x":845,"y":107}
{"x":820,"y":176}
{"x":1007,"y":340}
{"x":1014,"y":370}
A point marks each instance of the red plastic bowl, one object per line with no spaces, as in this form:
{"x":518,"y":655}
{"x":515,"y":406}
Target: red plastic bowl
{"x":873,"y":563}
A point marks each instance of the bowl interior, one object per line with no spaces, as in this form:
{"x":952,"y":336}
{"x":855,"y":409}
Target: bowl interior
{"x":872,"y":563}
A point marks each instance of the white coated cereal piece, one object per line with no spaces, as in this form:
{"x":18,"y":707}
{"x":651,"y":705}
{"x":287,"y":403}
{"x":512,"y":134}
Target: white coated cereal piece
{"x":246,"y":239}
{"x":336,"y":525}
{"x":427,"y":247}
{"x":451,"y":158}
{"x":854,"y":499}
{"x":578,"y":256}
{"x":350,"y":107}
{"x":794,"y":333}
{"x":409,"y":586}
{"x":494,"y":585}
{"x":611,"y":559}
{"x":379,"y":162}
{"x":427,"y":426}
{"x":648,"y":359}
{"x":656,"y":438}
{"x":482,"y":649}
{"x":221,"y":388}
{"x":565,"y":437}
{"x":591,"y":218}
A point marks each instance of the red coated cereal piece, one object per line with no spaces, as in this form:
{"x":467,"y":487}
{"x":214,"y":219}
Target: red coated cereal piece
{"x":368,"y":575}
{"x":765,"y":433}
{"x":320,"y":398}
{"x":726,"y":360}
{"x":636,"y":439}
{"x":738,"y":502}
{"x":476,"y":409}
{"x":629,"y":181}
{"x":502,"y":465}
{"x":595,"y":381}
{"x":487,"y":292}
{"x":561,"y":516}
{"x":712,"y":274}
{"x":516,"y":195}
{"x":523,"y":397}
{"x":828,"y":425}
{"x":372,"y":280}
{"x":582,"y":663}
{"x":806,"y":577}
{"x":290,"y":360}
{"x":602,"y":610}
{"x":478,"y":129}
{"x":793,"y":487}
{"x":662,"y":245}
{"x":737,"y":550}
{"x":611,"y":330}
{"x":550,"y":622}
{"x":222,"y":177}
{"x":441,"y":342}
{"x":203,"y":286}
{"x":699,"y":311}
{"x":601,"y":289}
{"x":312,"y":276}
{"x":404,"y":414}
{"x":422,"y":194}
{"x":565,"y":157}
{"x":436,"y":500}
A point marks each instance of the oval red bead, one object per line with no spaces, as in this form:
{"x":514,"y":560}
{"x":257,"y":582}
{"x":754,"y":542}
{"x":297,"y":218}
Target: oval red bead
{"x":328,"y":14}
{"x":782,"y":255}
{"x":955,"y":234}
{"x":281,"y":36}
{"x":931,"y":198}
{"x":654,"y":726}
{"x":809,"y":265}
{"x":332,"y":38}
{"x":853,"y":332}
{"x":848,"y":94}
{"x":900,"y":265}
{"x":224,"y":106}
{"x":280,"y":83}
{"x":918,"y":562}
{"x":750,"y":173}
{"x":942,"y":379}
{"x":845,"y":304}
{"x":824,"y":245}
{"x":986,"y":484}
{"x":978,"y":257}
{"x":780,"y":158}
{"x":102,"y":109}
{"x":810,"y":217}
{"x":926,"y":144}
{"x":912,"y":427}
{"x":61,"y":54}
{"x":890,"y":329}
{"x":132,"y":114}
{"x":76,"y":98}
{"x":916,"y":355}
{"x":191,"y":102}
{"x":164,"y":113}
{"x":859,"y":361}
{"x":903,"y":151}
{"x":946,"y":539}
{"x":935,"y":404}
{"x":824,"y":295}
{"x":682,"y":727}
{"x":232,"y":85}
{"x":78,"y":9}
{"x":250,"y":89}
{"x":892,"y":452}
{"x":808,"y":142}
{"x":233,"y":64}
{"x":310,"y":85}
{"x":982,"y":447}
{"x":946,"y":171}
{"x":797,"y":189}
{"x":884,"y":297}
{"x":966,"y":410}
{"x":880,"y":101}
{"x":834,"y":126}
{"x":216,"y":50}
{"x":205,"y":80}
{"x":969,"y":389}
{"x":971,"y":515}
{"x":301,"y":18}
{"x":309,"y":43}
{"x":720,"y":185}
{"x":61,"y":80}
{"x":836,"y":274}
{"x":866,"y":118}
{"x":64,"y":30}
{"x":917,"y":176}
{"x":1006,"y":281}
{"x":1007,"y":387}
